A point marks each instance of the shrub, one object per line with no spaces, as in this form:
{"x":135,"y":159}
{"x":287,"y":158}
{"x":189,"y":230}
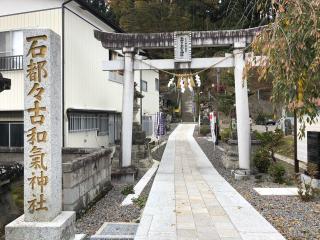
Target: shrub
{"x":271,"y":141}
{"x":261,"y":118}
{"x":277,"y":172}
{"x":234,"y":134}
{"x":127,"y":190}
{"x":306,"y":191}
{"x":254,"y":135}
{"x":204,"y":130}
{"x":262,"y":160}
{"x":225,"y":134}
{"x":140,"y":201}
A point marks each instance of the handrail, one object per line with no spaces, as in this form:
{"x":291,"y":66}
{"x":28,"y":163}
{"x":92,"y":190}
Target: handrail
{"x":11,"y":63}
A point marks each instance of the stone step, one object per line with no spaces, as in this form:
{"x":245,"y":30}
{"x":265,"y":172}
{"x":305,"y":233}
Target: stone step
{"x":187,"y":117}
{"x":187,"y":107}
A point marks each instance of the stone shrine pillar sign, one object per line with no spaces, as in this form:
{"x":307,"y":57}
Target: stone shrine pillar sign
{"x":42,"y":128}
{"x":182,"y":47}
{"x":43,"y":217}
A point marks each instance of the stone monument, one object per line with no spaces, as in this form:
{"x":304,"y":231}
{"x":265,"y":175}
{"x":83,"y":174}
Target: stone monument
{"x":43,"y":216}
{"x":139,"y":150}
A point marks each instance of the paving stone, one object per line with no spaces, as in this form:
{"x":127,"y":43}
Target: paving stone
{"x":198,"y":203}
{"x":187,"y":234}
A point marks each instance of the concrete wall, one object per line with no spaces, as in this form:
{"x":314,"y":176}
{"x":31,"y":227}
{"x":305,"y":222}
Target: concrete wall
{"x":86,"y":85}
{"x":87,"y":139}
{"x":42,"y":19}
{"x":150,"y":102}
{"x":9,"y":7}
{"x":13,"y":100}
{"x":11,"y":155}
{"x":85,"y":178}
{"x":302,"y":143}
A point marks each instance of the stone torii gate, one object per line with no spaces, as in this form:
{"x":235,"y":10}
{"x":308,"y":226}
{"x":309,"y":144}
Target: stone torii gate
{"x":182,"y":43}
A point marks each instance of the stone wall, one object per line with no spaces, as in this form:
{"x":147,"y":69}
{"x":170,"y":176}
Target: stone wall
{"x":86,"y":173}
{"x":86,"y":178}
{"x":11,"y":155}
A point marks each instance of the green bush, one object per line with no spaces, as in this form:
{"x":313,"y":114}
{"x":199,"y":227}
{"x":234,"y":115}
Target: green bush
{"x":234,"y":134}
{"x":261,"y":118}
{"x":254,"y":135}
{"x":204,"y":130}
{"x":225,"y":134}
{"x":127,"y":190}
{"x":271,"y":141}
{"x":140,"y":201}
{"x":262,"y":160}
{"x":277,"y":172}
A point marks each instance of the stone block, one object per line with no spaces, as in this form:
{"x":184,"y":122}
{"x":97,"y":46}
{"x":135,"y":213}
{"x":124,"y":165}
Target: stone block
{"x":85,"y":186}
{"x":71,"y":195}
{"x":230,"y":162}
{"x":93,"y":193}
{"x":60,"y":228}
{"x":76,"y":206}
{"x":67,"y":180}
{"x":314,"y":182}
{"x":89,"y":177}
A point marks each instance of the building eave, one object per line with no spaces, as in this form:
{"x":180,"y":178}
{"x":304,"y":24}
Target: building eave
{"x":100,"y":16}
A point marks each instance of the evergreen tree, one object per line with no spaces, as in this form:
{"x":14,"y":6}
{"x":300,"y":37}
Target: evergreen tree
{"x":175,"y":15}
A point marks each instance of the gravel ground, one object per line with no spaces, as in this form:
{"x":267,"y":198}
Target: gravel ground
{"x":294,"y":219}
{"x":157,"y":155}
{"x":109,"y":209}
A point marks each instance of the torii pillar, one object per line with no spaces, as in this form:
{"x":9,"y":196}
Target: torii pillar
{"x":242,"y":106}
{"x":127,"y":106}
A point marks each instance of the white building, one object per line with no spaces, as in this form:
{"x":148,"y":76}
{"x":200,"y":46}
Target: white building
{"x":92,"y":99}
{"x":309,"y":146}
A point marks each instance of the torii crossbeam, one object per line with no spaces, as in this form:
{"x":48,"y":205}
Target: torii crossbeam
{"x":182,"y":43}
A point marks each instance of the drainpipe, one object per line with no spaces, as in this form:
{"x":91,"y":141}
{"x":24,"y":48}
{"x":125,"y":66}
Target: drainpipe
{"x":141,"y":98}
{"x":62,"y":69}
{"x":295,"y":133}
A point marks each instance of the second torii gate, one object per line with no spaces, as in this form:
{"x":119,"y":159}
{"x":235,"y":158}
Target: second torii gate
{"x":182,"y":43}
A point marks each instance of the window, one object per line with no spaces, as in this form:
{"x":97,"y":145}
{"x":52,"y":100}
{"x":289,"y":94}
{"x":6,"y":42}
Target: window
{"x":11,"y":51}
{"x":11,"y":134}
{"x":5,"y":45}
{"x":144,"y":86}
{"x":118,"y":124}
{"x":157,"y":84}
{"x":116,"y":76}
{"x":4,"y":136}
{"x":103,"y":126}
{"x":81,"y":122}
{"x":11,"y":43}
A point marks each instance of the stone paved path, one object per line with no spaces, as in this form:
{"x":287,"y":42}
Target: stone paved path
{"x":190,"y":200}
